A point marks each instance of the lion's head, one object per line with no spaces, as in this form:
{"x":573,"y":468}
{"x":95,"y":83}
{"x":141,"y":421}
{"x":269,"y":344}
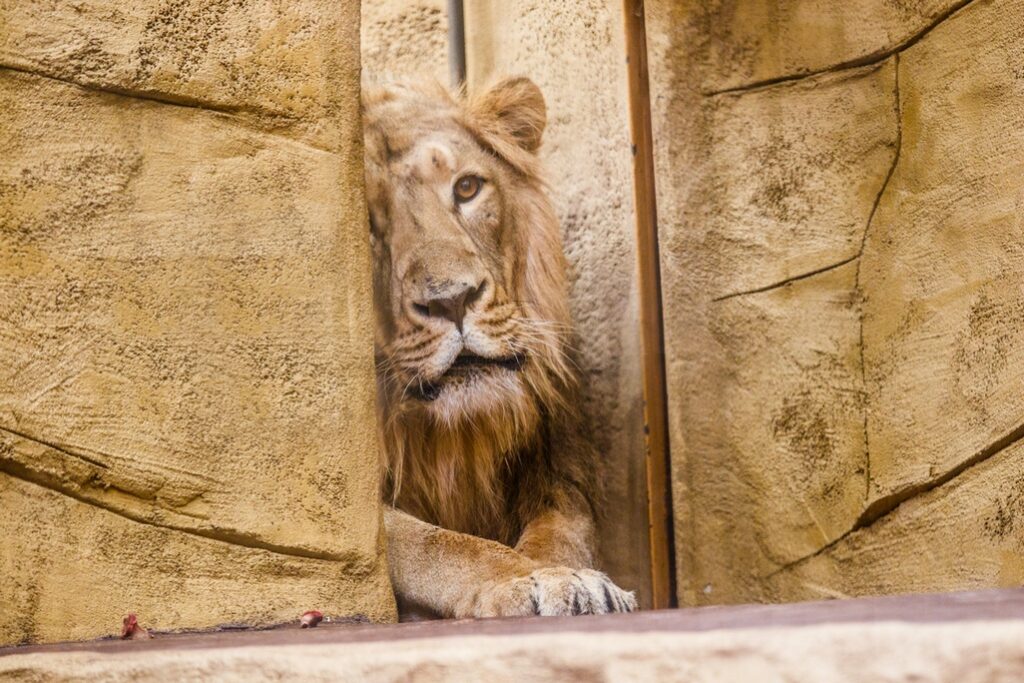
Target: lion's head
{"x":472,"y":314}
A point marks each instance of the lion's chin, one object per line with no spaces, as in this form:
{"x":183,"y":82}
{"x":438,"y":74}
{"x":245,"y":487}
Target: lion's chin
{"x":466,"y":395}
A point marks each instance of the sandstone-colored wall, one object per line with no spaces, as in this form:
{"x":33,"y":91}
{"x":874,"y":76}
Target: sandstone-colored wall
{"x":575,"y":53}
{"x":841,"y":221}
{"x":405,"y":38}
{"x":186,"y":375}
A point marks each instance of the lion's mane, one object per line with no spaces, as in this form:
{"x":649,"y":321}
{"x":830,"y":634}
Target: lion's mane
{"x":488,"y":471}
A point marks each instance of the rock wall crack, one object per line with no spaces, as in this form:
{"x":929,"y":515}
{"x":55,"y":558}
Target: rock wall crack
{"x":864,"y":60}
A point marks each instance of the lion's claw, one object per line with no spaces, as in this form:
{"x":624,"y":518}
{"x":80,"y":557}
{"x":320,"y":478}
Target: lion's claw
{"x":554,"y":591}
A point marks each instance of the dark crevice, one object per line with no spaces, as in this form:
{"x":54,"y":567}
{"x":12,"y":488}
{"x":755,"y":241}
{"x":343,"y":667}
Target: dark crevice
{"x":788,"y":280}
{"x":883,"y":507}
{"x":886,"y":504}
{"x":163,"y":98}
{"x":800,"y":560}
{"x":864,"y":234}
{"x":66,"y":450}
{"x":879,"y":509}
{"x":54,"y":482}
{"x":897,"y":112}
{"x":861,"y":521}
{"x":863,"y":60}
{"x":241,"y":114}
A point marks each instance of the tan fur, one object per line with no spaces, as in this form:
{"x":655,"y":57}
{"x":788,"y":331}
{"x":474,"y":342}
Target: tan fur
{"x":491,"y":454}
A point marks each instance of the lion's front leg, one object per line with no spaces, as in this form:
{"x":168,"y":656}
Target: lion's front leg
{"x":458,"y":575}
{"x":453,"y":574}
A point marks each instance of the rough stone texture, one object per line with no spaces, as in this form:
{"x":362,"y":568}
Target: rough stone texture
{"x":841,"y":240}
{"x":73,"y":571}
{"x":966,"y":534}
{"x":943,"y":261}
{"x":959,"y":652}
{"x":186,"y":376}
{"x":749,"y":43}
{"x":403,"y":38}
{"x":260,"y":60}
{"x":575,"y":52}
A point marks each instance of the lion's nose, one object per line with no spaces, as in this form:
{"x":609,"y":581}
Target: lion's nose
{"x":451,"y":305}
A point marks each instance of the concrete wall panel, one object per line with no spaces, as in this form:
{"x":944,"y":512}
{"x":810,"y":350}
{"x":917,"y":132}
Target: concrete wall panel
{"x":840,"y":233}
{"x":186,"y":373}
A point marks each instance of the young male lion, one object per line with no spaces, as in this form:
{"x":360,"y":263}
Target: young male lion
{"x":489,"y":482}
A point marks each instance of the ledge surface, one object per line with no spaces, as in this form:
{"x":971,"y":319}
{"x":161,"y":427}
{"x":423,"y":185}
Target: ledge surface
{"x":977,"y":636}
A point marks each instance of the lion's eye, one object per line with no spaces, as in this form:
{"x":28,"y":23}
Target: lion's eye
{"x":467,"y":187}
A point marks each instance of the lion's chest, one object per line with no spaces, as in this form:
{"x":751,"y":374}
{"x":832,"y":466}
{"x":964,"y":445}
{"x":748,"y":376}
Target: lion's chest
{"x":465,"y":491}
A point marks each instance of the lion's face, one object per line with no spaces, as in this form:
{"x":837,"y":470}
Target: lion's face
{"x":469,"y":320}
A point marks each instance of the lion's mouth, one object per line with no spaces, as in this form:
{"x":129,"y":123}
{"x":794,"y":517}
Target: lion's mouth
{"x":471,"y":361}
{"x":466,"y":366}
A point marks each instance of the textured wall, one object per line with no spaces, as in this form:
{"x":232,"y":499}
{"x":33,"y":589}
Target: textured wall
{"x":186,"y":378}
{"x":841,"y":221}
{"x":402,"y":38}
{"x":575,"y":53}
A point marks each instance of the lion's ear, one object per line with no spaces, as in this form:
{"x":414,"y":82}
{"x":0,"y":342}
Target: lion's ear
{"x":513,"y":109}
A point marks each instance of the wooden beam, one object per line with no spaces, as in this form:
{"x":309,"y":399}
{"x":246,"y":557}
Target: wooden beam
{"x":655,"y":400}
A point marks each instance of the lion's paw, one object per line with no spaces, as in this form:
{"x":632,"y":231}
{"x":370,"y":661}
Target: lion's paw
{"x":554,"y":591}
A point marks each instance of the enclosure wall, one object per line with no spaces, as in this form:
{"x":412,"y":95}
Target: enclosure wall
{"x":841,"y":221}
{"x":186,"y":371}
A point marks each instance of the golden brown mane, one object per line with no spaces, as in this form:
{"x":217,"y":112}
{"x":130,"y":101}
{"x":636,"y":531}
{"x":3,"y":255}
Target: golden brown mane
{"x":484,"y":469}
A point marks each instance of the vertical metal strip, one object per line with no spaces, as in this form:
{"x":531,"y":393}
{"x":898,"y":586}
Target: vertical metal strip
{"x":659,"y":499}
{"x":456,"y":44}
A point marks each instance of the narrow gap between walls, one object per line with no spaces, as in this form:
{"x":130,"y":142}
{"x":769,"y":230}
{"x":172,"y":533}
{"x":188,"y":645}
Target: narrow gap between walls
{"x":659,"y":494}
{"x":456,"y":44}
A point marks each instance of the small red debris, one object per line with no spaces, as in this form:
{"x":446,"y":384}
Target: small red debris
{"x":311,"y":618}
{"x":131,"y":629}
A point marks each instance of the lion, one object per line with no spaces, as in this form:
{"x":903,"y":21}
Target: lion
{"x":490,"y":486}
